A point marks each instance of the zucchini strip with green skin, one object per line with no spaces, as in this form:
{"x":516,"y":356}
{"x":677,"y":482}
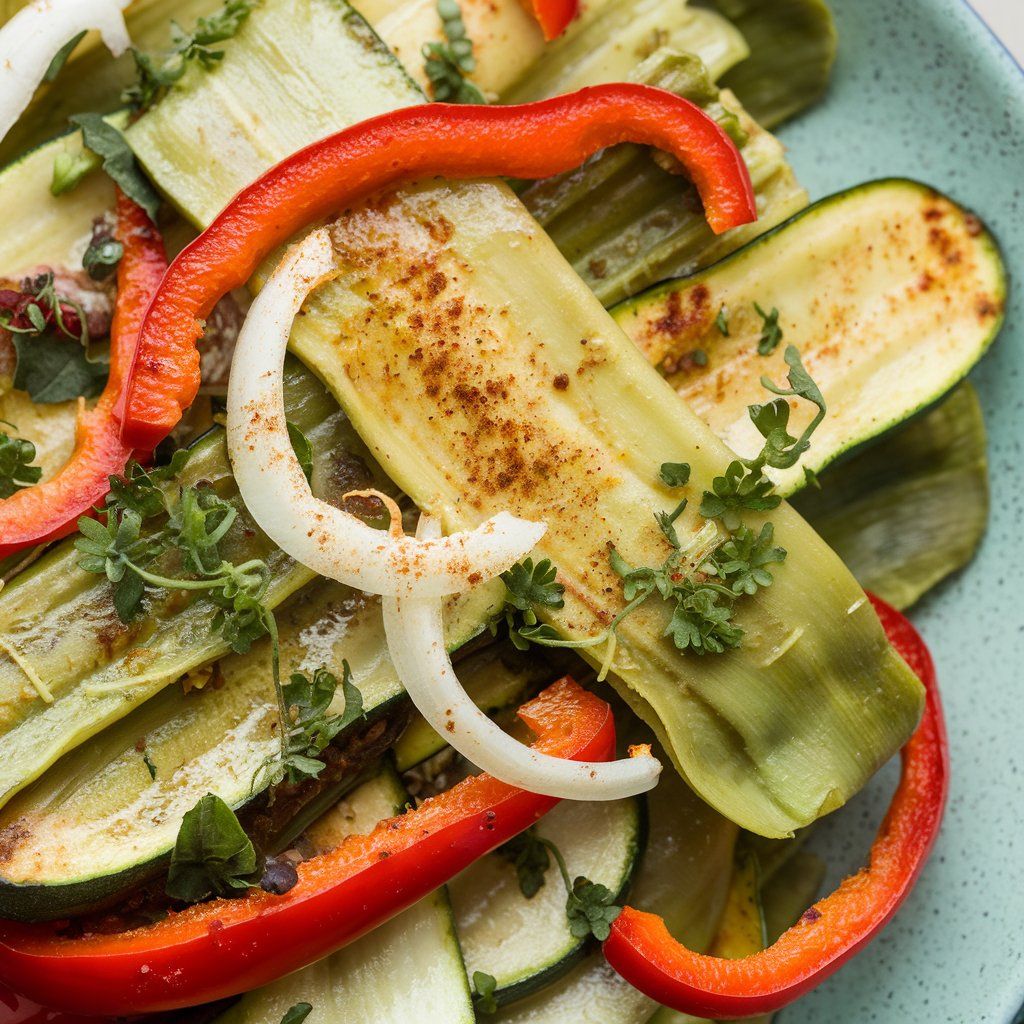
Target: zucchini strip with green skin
{"x":685,"y":874}
{"x":59,"y":631}
{"x":410,"y":968}
{"x":524,"y":943}
{"x":455,"y":319}
{"x":898,"y":270}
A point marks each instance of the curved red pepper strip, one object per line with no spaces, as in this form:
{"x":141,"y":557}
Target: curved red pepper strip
{"x":218,"y":949}
{"x":641,"y":949}
{"x":554,"y":16}
{"x":535,"y":140}
{"x":51,"y":509}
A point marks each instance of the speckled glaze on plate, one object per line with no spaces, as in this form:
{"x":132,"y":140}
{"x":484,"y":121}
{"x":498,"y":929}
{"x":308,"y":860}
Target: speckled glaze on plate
{"x":923,"y":89}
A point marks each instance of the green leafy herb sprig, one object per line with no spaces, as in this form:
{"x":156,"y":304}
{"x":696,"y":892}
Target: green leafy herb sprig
{"x":589,"y":907}
{"x":703,"y":585}
{"x":447,"y":63}
{"x":212,"y":854}
{"x":744,"y":487}
{"x":483,"y":992}
{"x":310,"y":729}
{"x":16,"y":458}
{"x":771,"y":332}
{"x":198,"y":520}
{"x":527,"y":587}
{"x":157,"y":74}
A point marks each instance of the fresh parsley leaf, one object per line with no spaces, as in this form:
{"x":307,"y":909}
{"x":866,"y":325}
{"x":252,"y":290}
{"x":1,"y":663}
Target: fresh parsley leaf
{"x":212,"y":854}
{"x":16,"y":469}
{"x":297,"y":1014}
{"x":591,"y":909}
{"x":157,"y":74}
{"x":60,"y":58}
{"x":740,"y":490}
{"x":529,"y":854}
{"x":118,"y":160}
{"x":771,"y":332}
{"x":310,"y":728}
{"x":447,"y":63}
{"x":741,"y":561}
{"x":113,"y":549}
{"x":303,"y":450}
{"x":197,"y":524}
{"x":526,"y":587}
{"x":483,"y":997}
{"x":675,"y":474}
{"x":701,"y":622}
{"x":801,"y":385}
{"x":722,"y":322}
{"x":139,"y":489}
{"x":102,"y":257}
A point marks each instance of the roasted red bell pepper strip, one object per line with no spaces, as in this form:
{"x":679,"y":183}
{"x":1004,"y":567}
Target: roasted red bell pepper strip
{"x":554,"y":16}
{"x":641,"y":949}
{"x":51,"y":509}
{"x":535,"y":140}
{"x":218,"y":949}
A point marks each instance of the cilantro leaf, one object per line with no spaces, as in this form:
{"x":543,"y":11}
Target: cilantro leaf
{"x":297,"y":1014}
{"x":311,"y":729}
{"x":212,"y":854}
{"x":529,"y":854}
{"x":118,"y":160}
{"x":591,"y":909}
{"x":675,"y":474}
{"x":741,"y":562}
{"x":16,"y":470}
{"x":771,"y":332}
{"x":483,"y":997}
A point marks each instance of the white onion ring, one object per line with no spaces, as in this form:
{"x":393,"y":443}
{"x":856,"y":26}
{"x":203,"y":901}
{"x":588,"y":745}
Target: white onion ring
{"x":36,"y":34}
{"x":270,"y":480}
{"x":415,"y":635}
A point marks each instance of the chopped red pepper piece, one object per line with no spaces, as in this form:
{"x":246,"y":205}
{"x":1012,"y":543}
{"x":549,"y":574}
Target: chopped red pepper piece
{"x":641,"y":949}
{"x":554,"y":16}
{"x":535,"y":140}
{"x":217,"y":949}
{"x":51,"y":509}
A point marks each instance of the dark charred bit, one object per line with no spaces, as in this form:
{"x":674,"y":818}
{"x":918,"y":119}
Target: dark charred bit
{"x":279,"y":876}
{"x":561,"y":382}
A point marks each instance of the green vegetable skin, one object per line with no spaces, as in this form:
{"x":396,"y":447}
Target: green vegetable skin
{"x":684,"y":876}
{"x":651,"y":225}
{"x":525,"y":943}
{"x":408,"y":969}
{"x":577,"y":440}
{"x":58,"y":625}
{"x":903,"y":273}
{"x":888,"y":513}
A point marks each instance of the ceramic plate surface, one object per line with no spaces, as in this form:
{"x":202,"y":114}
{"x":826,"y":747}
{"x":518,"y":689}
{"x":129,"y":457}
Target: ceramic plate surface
{"x":923,"y":89}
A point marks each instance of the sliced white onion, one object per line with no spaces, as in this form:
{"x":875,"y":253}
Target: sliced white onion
{"x":36,"y":34}
{"x":415,"y":634}
{"x":328,"y":540}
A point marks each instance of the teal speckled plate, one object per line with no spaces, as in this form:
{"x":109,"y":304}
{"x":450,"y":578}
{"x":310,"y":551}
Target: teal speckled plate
{"x":923,"y":89}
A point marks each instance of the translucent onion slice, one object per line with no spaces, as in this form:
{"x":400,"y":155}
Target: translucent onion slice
{"x":415,"y":635}
{"x":36,"y":34}
{"x":328,"y":540}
